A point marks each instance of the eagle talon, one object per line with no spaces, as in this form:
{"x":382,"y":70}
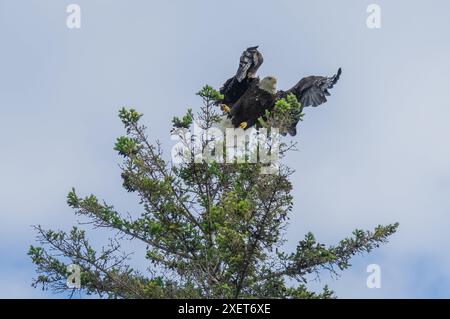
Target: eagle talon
{"x":243,"y":125}
{"x":225,"y":108}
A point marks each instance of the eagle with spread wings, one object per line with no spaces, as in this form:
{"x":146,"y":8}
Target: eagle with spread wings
{"x":246,"y":98}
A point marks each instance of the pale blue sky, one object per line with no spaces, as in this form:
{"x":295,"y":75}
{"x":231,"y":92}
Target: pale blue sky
{"x":377,"y":152}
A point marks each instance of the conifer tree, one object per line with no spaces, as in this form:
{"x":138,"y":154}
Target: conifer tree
{"x":212,"y":229}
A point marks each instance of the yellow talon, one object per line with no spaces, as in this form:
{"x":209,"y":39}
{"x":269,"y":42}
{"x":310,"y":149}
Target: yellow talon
{"x":225,"y":108}
{"x":243,"y":125}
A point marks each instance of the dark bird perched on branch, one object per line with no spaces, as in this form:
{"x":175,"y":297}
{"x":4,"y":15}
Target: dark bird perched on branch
{"x":246,"y":98}
{"x":259,"y":97}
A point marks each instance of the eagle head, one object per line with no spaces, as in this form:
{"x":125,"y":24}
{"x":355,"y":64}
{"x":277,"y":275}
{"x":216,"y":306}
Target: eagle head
{"x":269,"y":84}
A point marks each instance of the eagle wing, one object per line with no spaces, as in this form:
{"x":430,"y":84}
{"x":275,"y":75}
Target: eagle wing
{"x":310,"y":91}
{"x":250,"y":61}
{"x":313,"y":90}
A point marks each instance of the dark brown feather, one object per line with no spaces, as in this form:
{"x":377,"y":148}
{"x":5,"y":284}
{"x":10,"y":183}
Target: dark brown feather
{"x":251,"y":59}
{"x":252,"y":105}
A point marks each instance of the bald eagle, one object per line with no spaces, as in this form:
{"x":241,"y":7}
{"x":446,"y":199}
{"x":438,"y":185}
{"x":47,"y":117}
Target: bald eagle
{"x":246,"y":98}
{"x":259,"y":97}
